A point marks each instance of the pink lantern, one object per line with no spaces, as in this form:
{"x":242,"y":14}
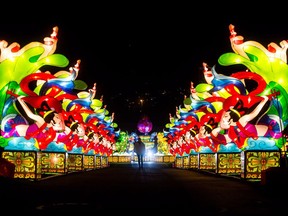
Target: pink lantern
{"x":144,"y":125}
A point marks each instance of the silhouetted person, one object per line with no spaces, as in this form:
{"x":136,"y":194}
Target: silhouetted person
{"x":139,"y":148}
{"x":155,"y":147}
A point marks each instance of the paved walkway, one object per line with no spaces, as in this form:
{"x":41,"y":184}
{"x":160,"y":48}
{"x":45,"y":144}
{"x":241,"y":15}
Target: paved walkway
{"x":125,"y":188}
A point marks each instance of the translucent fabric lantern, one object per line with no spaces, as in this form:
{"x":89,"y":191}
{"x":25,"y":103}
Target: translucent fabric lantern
{"x":144,"y":125}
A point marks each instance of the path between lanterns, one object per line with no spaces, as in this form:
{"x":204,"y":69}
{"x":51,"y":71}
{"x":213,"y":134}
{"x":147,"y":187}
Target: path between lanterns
{"x":123,"y":187}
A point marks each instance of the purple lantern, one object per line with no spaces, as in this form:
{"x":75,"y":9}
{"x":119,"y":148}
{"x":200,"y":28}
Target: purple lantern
{"x":144,"y":125}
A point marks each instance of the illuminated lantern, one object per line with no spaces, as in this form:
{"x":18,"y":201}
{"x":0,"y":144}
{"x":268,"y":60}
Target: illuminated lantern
{"x":144,"y":125}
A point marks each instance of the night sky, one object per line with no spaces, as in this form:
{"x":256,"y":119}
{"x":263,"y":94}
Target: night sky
{"x":148,"y":53}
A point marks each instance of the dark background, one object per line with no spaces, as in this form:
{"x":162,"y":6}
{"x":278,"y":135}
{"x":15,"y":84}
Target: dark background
{"x":145,"y":51}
